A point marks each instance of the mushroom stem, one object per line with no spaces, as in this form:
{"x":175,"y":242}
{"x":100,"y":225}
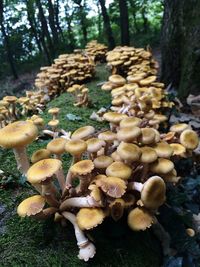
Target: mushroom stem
{"x":135,"y":186}
{"x":61,"y":179}
{"x":48,"y":191}
{"x":21,"y":159}
{"x":80,"y":202}
{"x":86,"y":248}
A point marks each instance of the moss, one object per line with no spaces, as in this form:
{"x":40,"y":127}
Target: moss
{"x":26,"y":242}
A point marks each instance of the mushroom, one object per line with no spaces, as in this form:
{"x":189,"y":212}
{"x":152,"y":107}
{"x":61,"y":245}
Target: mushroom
{"x":128,"y":134}
{"x":117,"y":209}
{"x":112,"y":186}
{"x":152,"y":192}
{"x":40,"y":154}
{"x":162,"y":166}
{"x":40,"y":175}
{"x":129,"y":152}
{"x":189,"y":139}
{"x":86,"y":248}
{"x":88,"y":218}
{"x":31,"y":206}
{"x":82,"y":170}
{"x":93,"y":146}
{"x":109,"y":137}
{"x":83,"y":133}
{"x":119,"y":169}
{"x":17,"y":135}
{"x":140,"y":219}
{"x":102,"y":162}
{"x":163,"y":150}
{"x":57,"y":147}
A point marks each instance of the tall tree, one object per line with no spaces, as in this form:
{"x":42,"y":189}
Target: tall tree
{"x":6,"y":41}
{"x":52,"y":22}
{"x":124,"y":22}
{"x":107,"y":25}
{"x":31,"y":20}
{"x":180,"y":46}
{"x":56,"y":11}
{"x":83,"y":20}
{"x":44,"y":27}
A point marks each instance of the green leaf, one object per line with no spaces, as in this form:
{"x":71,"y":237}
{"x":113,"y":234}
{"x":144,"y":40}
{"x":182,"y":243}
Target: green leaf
{"x":72,"y":117}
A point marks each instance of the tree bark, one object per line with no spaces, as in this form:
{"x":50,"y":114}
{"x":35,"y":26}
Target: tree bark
{"x":7,"y":42}
{"x":56,"y":11}
{"x":30,"y":15}
{"x":124,"y":22}
{"x":107,"y":25}
{"x":83,"y":24}
{"x":180,"y":46}
{"x":52,"y":23}
{"x":44,"y":27}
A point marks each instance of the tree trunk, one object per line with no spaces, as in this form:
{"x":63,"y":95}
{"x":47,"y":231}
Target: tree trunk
{"x":44,"y":27}
{"x":7,"y":42}
{"x":144,"y":17}
{"x":124,"y":22}
{"x":107,"y":25}
{"x":52,"y":23}
{"x":30,"y":15}
{"x":83,"y":24}
{"x":56,"y":11}
{"x":180,"y":46}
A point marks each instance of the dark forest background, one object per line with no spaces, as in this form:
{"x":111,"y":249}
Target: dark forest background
{"x":34,"y":32}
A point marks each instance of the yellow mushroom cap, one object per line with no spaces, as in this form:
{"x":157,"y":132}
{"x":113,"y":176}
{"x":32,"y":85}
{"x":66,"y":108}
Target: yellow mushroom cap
{"x":119,"y":169}
{"x":163,"y":150}
{"x":40,"y":154}
{"x":114,"y":117}
{"x":83,"y":133}
{"x":148,"y":136}
{"x":160,"y":117}
{"x":94,"y":144}
{"x":31,"y":206}
{"x":153,"y":192}
{"x":140,"y":219}
{"x":88,"y":218}
{"x":117,"y":79}
{"x":53,"y":111}
{"x":149,"y":155}
{"x":178,"y":149}
{"x":131,"y":121}
{"x":53,"y":123}
{"x":179,"y":127}
{"x":128,"y":151}
{"x":82,"y":167}
{"x":42,"y":170}
{"x":112,"y":186}
{"x":189,"y":139}
{"x":75,"y":147}
{"x":190,"y":232}
{"x":102,"y":162}
{"x":16,"y":134}
{"x":162,"y":166}
{"x":171,"y":177}
{"x":128,"y":134}
{"x":57,"y":145}
{"x":107,"y":136}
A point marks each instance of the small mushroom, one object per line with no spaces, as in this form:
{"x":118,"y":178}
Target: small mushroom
{"x":140,"y":219}
{"x":88,"y":218}
{"x":17,"y":135}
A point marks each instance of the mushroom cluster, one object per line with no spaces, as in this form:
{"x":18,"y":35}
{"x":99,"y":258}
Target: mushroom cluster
{"x":143,"y":98}
{"x":126,"y":60}
{"x":96,"y":50}
{"x":66,"y":70}
{"x":123,"y":171}
{"x":80,"y":93}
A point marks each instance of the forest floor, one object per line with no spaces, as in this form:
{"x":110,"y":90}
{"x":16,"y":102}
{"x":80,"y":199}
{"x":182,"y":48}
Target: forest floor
{"x":25,"y":242}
